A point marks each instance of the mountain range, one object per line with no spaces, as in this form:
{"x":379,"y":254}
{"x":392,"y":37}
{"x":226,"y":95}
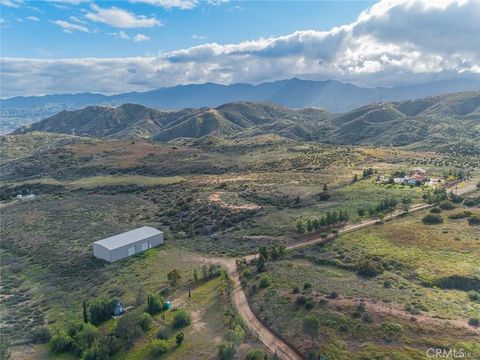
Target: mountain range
{"x":330,"y":95}
{"x":449,"y":122}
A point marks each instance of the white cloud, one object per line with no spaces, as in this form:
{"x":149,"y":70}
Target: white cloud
{"x":32,"y":18}
{"x":391,"y":43}
{"x":70,"y":2}
{"x":69,"y":27}
{"x":120,"y":18}
{"x":12,"y":3}
{"x":77,"y":20}
{"x":123,"y":35}
{"x":170,"y":4}
{"x":141,"y":37}
{"x":198,"y":37}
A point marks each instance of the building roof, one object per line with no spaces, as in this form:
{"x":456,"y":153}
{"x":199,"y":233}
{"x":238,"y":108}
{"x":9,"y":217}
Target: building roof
{"x":129,"y":237}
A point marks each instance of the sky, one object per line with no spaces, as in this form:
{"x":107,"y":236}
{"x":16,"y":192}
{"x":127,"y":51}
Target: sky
{"x":69,"y":46}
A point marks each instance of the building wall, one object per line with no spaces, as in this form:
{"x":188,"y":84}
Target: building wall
{"x":122,"y":252}
{"x":101,"y":252}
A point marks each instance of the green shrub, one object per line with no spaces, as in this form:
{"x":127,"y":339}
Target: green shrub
{"x":432,"y":219}
{"x":41,"y":335}
{"x":470,"y":202}
{"x":255,"y":354}
{"x":236,"y":335}
{"x":391,"y":329}
{"x":226,"y":351}
{"x":296,"y":290}
{"x":435,"y":210}
{"x":369,"y":268}
{"x":307,"y":286}
{"x":61,"y":343}
{"x":128,"y":329}
{"x":145,"y":321}
{"x":474,"y":322}
{"x":179,"y":338}
{"x":87,"y":336}
{"x":163,"y":334}
{"x":446,"y":205}
{"x":474,"y":295}
{"x":181,"y":318}
{"x":474,"y":220}
{"x":265,"y":281}
{"x":366,"y":317}
{"x":100,"y":310}
{"x":155,"y":304}
{"x":158,"y":347}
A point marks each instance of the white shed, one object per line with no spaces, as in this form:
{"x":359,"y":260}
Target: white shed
{"x":128,"y":243}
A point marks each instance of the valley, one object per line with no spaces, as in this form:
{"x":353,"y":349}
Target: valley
{"x":226,"y":185}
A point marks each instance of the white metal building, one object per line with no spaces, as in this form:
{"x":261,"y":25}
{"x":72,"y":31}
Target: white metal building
{"x":128,"y":243}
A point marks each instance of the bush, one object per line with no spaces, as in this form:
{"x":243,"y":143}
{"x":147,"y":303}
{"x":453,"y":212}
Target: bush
{"x":163,"y":334}
{"x":99,"y":351}
{"x":145,"y":321}
{"x":179,"y":338}
{"x":158,"y":347}
{"x":366,"y":317}
{"x":226,"y":351}
{"x":333,"y":295}
{"x":446,"y":205}
{"x":307,"y":286}
{"x":41,"y":335}
{"x":309,"y":304}
{"x":301,"y":300}
{"x":391,"y":328}
{"x":469,"y":202}
{"x":474,"y":322}
{"x":128,"y":329}
{"x":387,"y":284}
{"x":236,"y":335}
{"x":265,"y":281}
{"x":474,"y":220}
{"x":61,"y":343}
{"x":474,"y":295}
{"x":87,"y":336}
{"x":435,"y":210}
{"x":432,"y":219}
{"x":155,"y":304}
{"x":100,"y":310}
{"x":296,"y":290}
{"x":255,"y":354}
{"x":369,"y":268}
{"x":181,"y":318}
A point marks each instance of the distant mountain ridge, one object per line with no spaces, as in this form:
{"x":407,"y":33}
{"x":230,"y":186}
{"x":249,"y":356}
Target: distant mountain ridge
{"x":438,"y":122}
{"x":333,"y":96}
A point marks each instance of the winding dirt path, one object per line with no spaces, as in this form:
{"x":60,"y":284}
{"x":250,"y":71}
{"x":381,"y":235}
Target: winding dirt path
{"x":267,"y":337}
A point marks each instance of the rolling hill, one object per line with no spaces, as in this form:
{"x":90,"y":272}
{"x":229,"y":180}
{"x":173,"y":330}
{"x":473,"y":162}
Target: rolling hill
{"x":331,"y":95}
{"x":438,"y":122}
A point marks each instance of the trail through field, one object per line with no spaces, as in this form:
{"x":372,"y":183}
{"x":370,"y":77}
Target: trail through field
{"x":216,"y":198}
{"x":267,"y":337}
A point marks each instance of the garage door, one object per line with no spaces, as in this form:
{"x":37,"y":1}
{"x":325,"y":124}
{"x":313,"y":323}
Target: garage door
{"x":144,"y":246}
{"x":131,"y":250}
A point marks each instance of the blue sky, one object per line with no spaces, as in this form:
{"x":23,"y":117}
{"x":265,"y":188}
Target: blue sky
{"x":68,"y":46}
{"x":29,"y":30}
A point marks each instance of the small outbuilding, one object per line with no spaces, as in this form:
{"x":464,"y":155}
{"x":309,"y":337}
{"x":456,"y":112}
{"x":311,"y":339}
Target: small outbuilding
{"x":127,"y":244}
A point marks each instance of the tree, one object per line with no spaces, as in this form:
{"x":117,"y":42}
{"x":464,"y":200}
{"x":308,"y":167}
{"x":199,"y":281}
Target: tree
{"x":85,"y":315}
{"x":179,"y":338}
{"x":262,"y":250}
{"x":87,"y":336}
{"x":100,"y":310}
{"x":174,"y":277}
{"x":181,"y":318}
{"x":406,"y":201}
{"x":145,"y":321}
{"x":61,"y":343}
{"x":155,"y":304}
{"x":158,"y":347}
{"x":226,"y":351}
{"x":311,"y":326}
{"x":361,"y":212}
{"x":300,"y":226}
{"x":204,"y":271}
{"x":255,"y":354}
{"x":128,"y":329}
{"x":261,"y":263}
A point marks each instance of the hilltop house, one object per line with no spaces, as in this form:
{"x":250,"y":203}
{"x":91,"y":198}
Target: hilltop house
{"x":127,"y":244}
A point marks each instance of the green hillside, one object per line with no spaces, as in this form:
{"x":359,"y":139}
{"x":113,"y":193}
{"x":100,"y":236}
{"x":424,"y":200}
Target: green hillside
{"x":448,"y":122}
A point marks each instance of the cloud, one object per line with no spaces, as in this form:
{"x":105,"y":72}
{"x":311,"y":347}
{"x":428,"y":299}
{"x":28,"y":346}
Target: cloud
{"x":120,"y":18}
{"x":198,"y":37}
{"x":170,"y":4}
{"x":69,"y":2}
{"x":32,"y":18}
{"x":390,"y":43}
{"x":141,"y":37}
{"x":77,"y":20}
{"x":12,"y":3}
{"x":69,"y":27}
